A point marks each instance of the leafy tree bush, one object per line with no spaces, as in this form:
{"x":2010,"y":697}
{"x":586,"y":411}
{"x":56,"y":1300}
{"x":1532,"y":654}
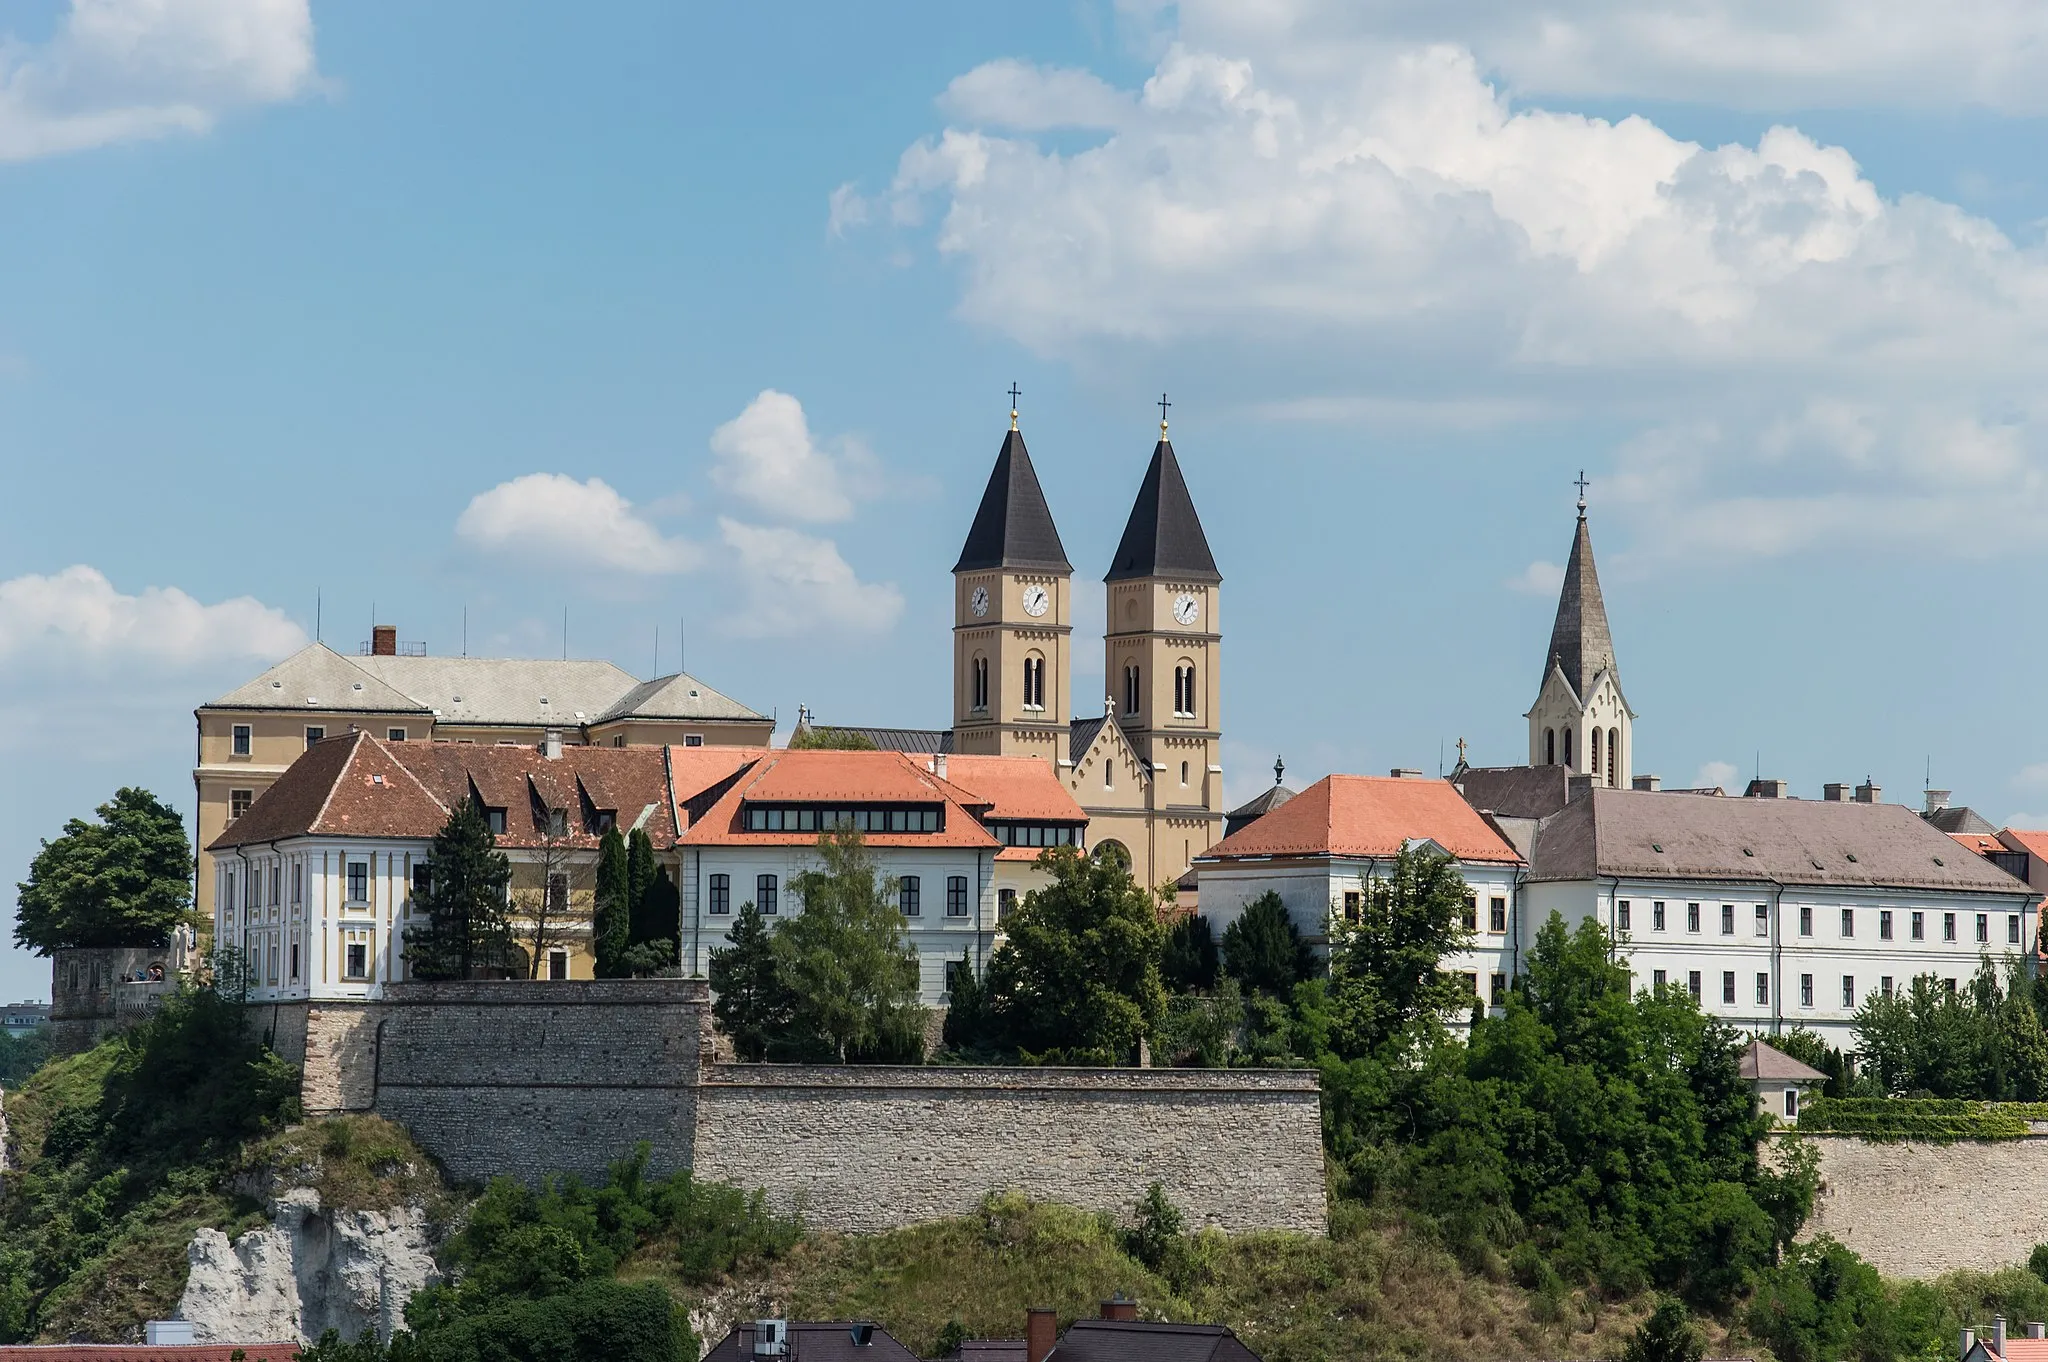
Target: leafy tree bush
{"x":750,"y":1002}
{"x":1188,"y":961}
{"x":1264,"y":951}
{"x":1808,"y":1048}
{"x":1384,"y":977}
{"x":465,"y":931}
{"x":850,"y":971}
{"x":1157,"y":1227}
{"x":1078,"y":976}
{"x":611,"y":913}
{"x":21,"y":1056}
{"x":1666,"y":1336}
{"x":122,"y":880}
{"x":1817,"y":1304}
{"x":966,"y":1008}
{"x":1985,"y":1042}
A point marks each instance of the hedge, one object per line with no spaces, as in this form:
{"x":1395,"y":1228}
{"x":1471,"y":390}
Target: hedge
{"x":1931,"y":1120}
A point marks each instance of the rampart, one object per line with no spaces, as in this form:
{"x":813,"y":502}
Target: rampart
{"x":1901,"y":1206}
{"x":527,"y":1078}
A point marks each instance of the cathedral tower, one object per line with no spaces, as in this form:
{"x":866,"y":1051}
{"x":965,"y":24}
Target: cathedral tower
{"x":1162,"y":662}
{"x":1012,"y":620}
{"x":1580,"y":719}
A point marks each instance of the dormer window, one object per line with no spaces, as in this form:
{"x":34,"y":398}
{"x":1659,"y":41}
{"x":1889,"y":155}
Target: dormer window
{"x":605,"y":821}
{"x":558,"y":822}
{"x":872,"y":819}
{"x":495,"y":820}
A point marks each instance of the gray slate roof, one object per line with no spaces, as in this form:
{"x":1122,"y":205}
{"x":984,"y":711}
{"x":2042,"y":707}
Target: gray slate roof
{"x":1081,"y":735}
{"x":1515,"y":791}
{"x":1580,"y":642}
{"x":1163,"y":537}
{"x":1964,"y":819}
{"x":899,"y":739}
{"x":1110,"y":1340}
{"x":815,"y":1342}
{"x":1013,"y":526}
{"x":1252,"y":810}
{"x":680,"y":696}
{"x":1792,"y":841}
{"x":317,"y":677}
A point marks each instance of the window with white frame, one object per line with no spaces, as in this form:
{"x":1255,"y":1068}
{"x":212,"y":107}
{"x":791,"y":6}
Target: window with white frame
{"x":1728,"y":987}
{"x":1884,"y":924}
{"x":1983,"y":928}
{"x":356,"y":957}
{"x":1497,"y":914}
{"x":239,"y":802}
{"x":1621,"y":914}
{"x":241,"y":740}
{"x":910,"y":895}
{"x":1656,"y":915}
{"x":766,"y":888}
{"x":314,"y":733}
{"x":1692,"y":917}
{"x":1919,"y":925}
{"x":394,"y":735}
{"x":956,"y":896}
{"x":358,"y":882}
{"x":1692,"y":983}
{"x":1806,"y":919}
{"x":721,"y":894}
{"x":1763,"y":989}
{"x":1806,"y":990}
{"x":1948,"y":926}
{"x":1763,"y":919}
{"x":1849,"y":991}
{"x":1848,"y":923}
{"x":1727,"y":919}
{"x":2012,"y":929}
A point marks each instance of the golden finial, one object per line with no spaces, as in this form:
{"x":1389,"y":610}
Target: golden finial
{"x":1014,"y":395}
{"x":1163,"y":405}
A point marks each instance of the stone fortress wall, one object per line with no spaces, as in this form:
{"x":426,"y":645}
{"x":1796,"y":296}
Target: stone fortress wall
{"x":528,"y":1078}
{"x":1919,"y":1210}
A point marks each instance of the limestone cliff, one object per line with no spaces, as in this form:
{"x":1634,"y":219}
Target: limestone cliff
{"x":311,"y":1270}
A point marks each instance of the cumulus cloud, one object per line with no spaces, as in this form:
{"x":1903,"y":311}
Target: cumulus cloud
{"x":1389,"y":238}
{"x":577,"y":524}
{"x":1710,"y":774}
{"x":1736,"y":53}
{"x":77,"y":615}
{"x":1016,"y":94}
{"x":122,"y":70}
{"x":791,"y":583}
{"x":1540,"y":578}
{"x":766,"y":456}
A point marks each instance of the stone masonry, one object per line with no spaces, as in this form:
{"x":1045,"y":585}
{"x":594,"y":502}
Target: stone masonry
{"x":530,"y":1078}
{"x":1919,"y":1210}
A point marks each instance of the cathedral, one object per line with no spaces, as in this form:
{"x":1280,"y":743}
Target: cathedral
{"x":1580,"y":720}
{"x":1147,"y":766}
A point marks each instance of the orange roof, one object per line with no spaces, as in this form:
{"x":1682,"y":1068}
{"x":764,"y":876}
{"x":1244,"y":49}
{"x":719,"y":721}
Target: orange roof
{"x":1980,"y":842}
{"x":2018,"y":1349}
{"x":831,"y":777}
{"x":1022,"y":788}
{"x":2033,"y":843}
{"x":1368,"y":816}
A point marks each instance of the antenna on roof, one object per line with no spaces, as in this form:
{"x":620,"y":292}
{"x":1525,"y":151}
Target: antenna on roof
{"x":316,"y":614}
{"x":465,"y":631}
{"x":682,"y":646}
{"x":657,"y":652}
{"x":565,"y":633}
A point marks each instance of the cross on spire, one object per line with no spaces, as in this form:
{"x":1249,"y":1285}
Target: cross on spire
{"x":1014,"y":395}
{"x":1581,"y":485}
{"x":1163,"y":405}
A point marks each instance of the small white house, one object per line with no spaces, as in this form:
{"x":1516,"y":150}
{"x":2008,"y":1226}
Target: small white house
{"x":1781,"y":1082}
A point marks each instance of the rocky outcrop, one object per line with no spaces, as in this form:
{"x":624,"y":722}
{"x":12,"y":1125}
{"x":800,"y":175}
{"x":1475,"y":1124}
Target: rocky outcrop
{"x":311,"y":1270}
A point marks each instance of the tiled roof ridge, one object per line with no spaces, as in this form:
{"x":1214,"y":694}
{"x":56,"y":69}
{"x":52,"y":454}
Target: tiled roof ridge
{"x":348,"y":764}
{"x":410,"y":774}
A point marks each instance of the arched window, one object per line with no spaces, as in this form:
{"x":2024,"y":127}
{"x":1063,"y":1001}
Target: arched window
{"x":1567,"y":747}
{"x":980,"y":682}
{"x":1113,"y":852}
{"x":1183,"y":773}
{"x":1550,"y":747}
{"x":1613,"y":758}
{"x":1593,"y":760}
{"x":1108,"y":772}
{"x":1034,"y":682}
{"x":1131,"y":696}
{"x":1184,"y":690}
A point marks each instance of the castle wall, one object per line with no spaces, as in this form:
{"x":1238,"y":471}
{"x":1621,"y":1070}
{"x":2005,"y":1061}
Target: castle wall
{"x":1919,"y":1210}
{"x":870,"y":1148}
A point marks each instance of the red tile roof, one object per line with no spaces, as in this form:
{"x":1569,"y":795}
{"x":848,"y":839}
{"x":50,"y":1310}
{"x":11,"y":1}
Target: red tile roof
{"x":830,"y":777}
{"x":1980,"y":842}
{"x":1021,"y":788}
{"x":1368,"y":816}
{"x":2034,"y":843}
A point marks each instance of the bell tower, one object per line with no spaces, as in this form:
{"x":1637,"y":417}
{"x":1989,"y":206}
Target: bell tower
{"x":1012,"y":618}
{"x":1162,"y":660}
{"x":1580,"y":719}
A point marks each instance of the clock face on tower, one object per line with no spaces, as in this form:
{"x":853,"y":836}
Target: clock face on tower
{"x":1185,"y":608}
{"x":1036,"y":602}
{"x":979,"y":602}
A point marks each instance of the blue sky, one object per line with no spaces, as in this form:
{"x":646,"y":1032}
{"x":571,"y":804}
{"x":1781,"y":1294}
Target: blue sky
{"x":706,"y":314}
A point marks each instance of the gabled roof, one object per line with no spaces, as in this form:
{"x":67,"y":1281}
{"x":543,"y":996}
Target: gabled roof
{"x":1958,"y":818}
{"x":1255,"y":808}
{"x":1081,"y":735}
{"x":1515,"y":791}
{"x":680,"y":696}
{"x":1357,"y":816}
{"x":488,"y":691}
{"x":1163,"y":537}
{"x":2020,"y":839}
{"x":1766,"y":1062}
{"x":1013,"y":526}
{"x":317,"y":677}
{"x":816,"y":1342}
{"x":899,"y":739}
{"x":818,"y":777}
{"x":347,"y":786}
{"x":1022,"y":788}
{"x":1581,"y":645}
{"x":1661,"y":835}
{"x":1116,"y":1340}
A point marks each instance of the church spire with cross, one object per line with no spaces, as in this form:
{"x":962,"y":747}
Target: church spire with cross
{"x":1580,"y":719}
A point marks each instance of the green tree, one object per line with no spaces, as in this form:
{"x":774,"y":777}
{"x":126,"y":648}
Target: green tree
{"x":1666,"y":1336}
{"x":1188,"y":962}
{"x":1385,"y":975}
{"x":1808,"y":1048}
{"x":1927,"y":1038}
{"x":808,"y":738}
{"x":1264,"y":951}
{"x":845,"y":958}
{"x":749,"y":1000}
{"x":21,"y":1056}
{"x":1078,"y":974}
{"x":611,"y":917}
{"x":122,"y":880}
{"x":465,"y":930}
{"x":1813,"y":1307}
{"x":656,"y":934}
{"x":967,"y":1016}
{"x":1157,"y":1225}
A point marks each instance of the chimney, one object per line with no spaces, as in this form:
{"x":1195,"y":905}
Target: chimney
{"x":2037,"y":1330}
{"x":383,"y":640}
{"x":1650,"y":783}
{"x":1041,"y":1334}
{"x":771,"y":1338}
{"x":1969,"y":1341}
{"x":1835,"y":792}
{"x":1119,"y":1306}
{"x":1765,"y":789}
{"x":1937,"y":800}
{"x":551,"y":745}
{"x":1574,"y":786}
{"x":1998,"y":1334}
{"x":1405,"y":773}
{"x":1867,"y":793}
{"x":939,"y":766}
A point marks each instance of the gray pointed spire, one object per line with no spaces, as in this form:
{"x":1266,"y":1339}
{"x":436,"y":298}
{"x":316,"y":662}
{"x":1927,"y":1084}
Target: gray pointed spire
{"x":1164,"y":537}
{"x":1013,"y":527}
{"x":1580,"y":643}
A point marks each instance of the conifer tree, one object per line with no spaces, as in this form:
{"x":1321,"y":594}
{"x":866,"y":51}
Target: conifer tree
{"x":751,"y":1003}
{"x":1188,"y":963}
{"x":1264,"y":951}
{"x":611,"y":918}
{"x":466,"y":929}
{"x":640,"y":872}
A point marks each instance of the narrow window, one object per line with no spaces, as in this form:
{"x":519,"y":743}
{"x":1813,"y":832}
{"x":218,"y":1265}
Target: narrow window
{"x":1763,"y":989}
{"x":1656,"y":915}
{"x":1108,"y":772}
{"x":1727,"y":919}
{"x":1131,"y":688}
{"x":1550,"y":747}
{"x":1656,"y":978}
{"x":910,"y":895}
{"x":721,"y":894}
{"x":1884,"y":924}
{"x":1006,"y":904}
{"x":1692,"y":917}
{"x":1763,"y":919}
{"x":764,"y":894}
{"x":956,"y":896}
{"x":2012,"y":929}
{"x":1692,"y":983}
{"x":1613,"y":760}
{"x":558,"y":822}
{"x":1791,"y":1104}
{"x":1184,"y":781}
{"x":1884,"y":986}
{"x":241,"y":740}
{"x":1567,"y":747}
{"x":1806,"y":990}
{"x":299,"y":881}
{"x":558,"y":895}
{"x":358,"y":966}
{"x":358,"y":882}
{"x":558,"y":964}
{"x":1919,"y":925}
{"x":1948,"y":926}
{"x":1849,"y":990}
{"x":314,"y":733}
{"x":1983,"y":927}
{"x":1806,"y":919}
{"x":1351,"y":902}
{"x":1496,"y":915}
{"x":1728,"y":986}
{"x":1594,"y":758}
{"x":295,"y":962}
{"x":1848,"y":923}
{"x":1471,"y":918}
{"x":1621,"y":914}
{"x":239,"y":802}
{"x":1498,"y":989}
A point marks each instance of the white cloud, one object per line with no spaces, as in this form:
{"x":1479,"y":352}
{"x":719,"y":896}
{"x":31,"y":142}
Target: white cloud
{"x":791,"y":584}
{"x":121,"y":70}
{"x":2032,"y":777}
{"x":766,"y":456}
{"x":578,"y":524}
{"x":1710,"y":774}
{"x":1540,"y":578}
{"x":77,"y":616}
{"x":1014,"y":94}
{"x":1740,"y":53}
